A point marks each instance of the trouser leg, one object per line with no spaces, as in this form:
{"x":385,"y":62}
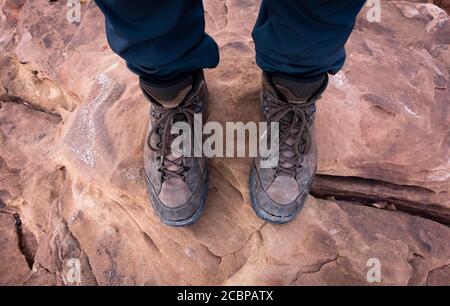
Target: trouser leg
{"x":159,"y":40}
{"x":304,"y":38}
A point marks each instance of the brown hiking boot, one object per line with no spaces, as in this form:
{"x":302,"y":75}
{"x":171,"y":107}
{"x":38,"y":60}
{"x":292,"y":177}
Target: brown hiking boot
{"x":279,"y":193}
{"x":177,"y":186}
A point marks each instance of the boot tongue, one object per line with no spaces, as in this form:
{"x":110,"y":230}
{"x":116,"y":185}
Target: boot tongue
{"x":170,"y":94}
{"x":296,"y":90}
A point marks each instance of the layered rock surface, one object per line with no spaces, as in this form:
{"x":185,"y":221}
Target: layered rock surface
{"x":72,"y":126}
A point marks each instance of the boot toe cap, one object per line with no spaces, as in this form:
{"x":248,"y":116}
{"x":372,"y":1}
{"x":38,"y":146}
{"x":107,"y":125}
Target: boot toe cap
{"x":174,"y":193}
{"x":182,"y":209}
{"x":283,"y":190}
{"x":265,"y":205}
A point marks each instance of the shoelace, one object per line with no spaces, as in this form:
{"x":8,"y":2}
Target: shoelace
{"x":294,"y":124}
{"x":162,"y":128}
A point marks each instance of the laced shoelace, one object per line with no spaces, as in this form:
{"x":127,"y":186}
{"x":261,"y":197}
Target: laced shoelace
{"x":170,"y":168}
{"x":294,"y":123}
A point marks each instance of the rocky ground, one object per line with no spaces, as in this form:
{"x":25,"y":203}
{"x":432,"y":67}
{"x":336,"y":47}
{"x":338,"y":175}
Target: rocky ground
{"x":72,"y":125}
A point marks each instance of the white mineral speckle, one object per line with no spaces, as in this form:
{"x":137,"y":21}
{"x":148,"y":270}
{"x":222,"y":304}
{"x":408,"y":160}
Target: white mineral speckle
{"x":84,"y":131}
{"x":189,"y":252}
{"x":410,"y":111}
{"x":339,"y":80}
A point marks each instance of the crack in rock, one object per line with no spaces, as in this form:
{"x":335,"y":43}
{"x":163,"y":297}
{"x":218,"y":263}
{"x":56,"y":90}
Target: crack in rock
{"x":413,"y":200}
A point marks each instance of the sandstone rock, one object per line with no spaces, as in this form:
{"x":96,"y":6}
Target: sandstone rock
{"x":72,"y":126}
{"x":445,"y":4}
{"x":332,"y":242}
{"x":14,"y":269}
{"x":406,"y":95}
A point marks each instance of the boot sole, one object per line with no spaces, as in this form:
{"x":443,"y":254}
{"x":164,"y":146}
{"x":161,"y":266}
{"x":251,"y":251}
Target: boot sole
{"x":264,"y":215}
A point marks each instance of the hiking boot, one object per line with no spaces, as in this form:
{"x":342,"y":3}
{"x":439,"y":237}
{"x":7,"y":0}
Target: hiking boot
{"x":278,"y":194}
{"x":177,"y":186}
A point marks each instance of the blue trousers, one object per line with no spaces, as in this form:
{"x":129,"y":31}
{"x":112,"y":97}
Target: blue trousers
{"x":162,"y":39}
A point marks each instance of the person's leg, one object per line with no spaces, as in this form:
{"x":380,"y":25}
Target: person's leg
{"x":298,"y":42}
{"x":304,"y":38}
{"x":164,"y":42}
{"x":159,"y":40}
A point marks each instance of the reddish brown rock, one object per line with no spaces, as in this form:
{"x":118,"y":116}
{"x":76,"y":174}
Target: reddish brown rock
{"x":445,"y":4}
{"x":331,"y":244}
{"x":390,"y":114}
{"x":14,"y":268}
